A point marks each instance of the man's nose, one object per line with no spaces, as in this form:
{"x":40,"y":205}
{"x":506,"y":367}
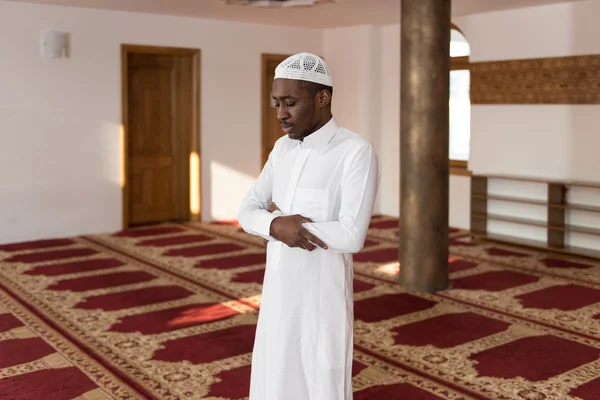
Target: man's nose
{"x":282,"y":113}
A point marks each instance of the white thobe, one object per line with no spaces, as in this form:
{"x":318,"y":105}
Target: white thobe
{"x":304,"y":338}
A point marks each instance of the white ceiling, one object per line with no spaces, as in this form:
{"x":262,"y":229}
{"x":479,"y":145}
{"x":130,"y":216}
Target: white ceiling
{"x":340,"y":13}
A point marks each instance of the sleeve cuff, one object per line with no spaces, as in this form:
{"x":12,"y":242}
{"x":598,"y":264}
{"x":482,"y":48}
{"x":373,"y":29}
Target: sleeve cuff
{"x":263,"y":222}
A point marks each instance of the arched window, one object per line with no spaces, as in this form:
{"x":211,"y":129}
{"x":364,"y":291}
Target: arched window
{"x":460,"y":101}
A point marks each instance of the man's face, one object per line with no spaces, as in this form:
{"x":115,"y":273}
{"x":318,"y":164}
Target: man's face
{"x":297,"y":109}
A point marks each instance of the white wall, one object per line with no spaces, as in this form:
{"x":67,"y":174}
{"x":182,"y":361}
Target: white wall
{"x":390,"y":121}
{"x":60,"y":119}
{"x":460,"y":202}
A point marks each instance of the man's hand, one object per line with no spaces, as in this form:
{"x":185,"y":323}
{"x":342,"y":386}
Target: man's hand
{"x":290,"y":231}
{"x":273,"y":207}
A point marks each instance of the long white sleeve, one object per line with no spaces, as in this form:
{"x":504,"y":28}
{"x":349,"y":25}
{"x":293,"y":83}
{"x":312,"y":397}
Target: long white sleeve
{"x":358,"y":192}
{"x":253,"y":214}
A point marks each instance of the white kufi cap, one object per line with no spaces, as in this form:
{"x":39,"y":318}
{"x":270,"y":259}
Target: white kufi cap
{"x":305,"y":67}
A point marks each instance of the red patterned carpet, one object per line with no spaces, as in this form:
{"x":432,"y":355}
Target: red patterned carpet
{"x":169,"y":312}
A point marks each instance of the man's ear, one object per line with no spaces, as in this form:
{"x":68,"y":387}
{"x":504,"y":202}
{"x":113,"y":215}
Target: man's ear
{"x":324,"y":98}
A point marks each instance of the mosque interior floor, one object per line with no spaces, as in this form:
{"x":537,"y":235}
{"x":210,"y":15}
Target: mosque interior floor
{"x":169,"y":312}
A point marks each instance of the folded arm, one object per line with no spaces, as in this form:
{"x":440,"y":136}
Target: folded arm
{"x":358,"y":191}
{"x":253,"y":214}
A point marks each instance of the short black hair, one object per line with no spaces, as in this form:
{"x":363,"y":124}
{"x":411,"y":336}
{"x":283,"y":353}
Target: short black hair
{"x":314,"y":88}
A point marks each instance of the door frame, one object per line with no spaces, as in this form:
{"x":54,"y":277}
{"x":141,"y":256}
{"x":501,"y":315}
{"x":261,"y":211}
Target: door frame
{"x":265,"y":98}
{"x":126,"y":50}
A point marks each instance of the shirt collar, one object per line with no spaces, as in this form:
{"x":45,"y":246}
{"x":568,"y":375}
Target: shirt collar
{"x":320,"y":138}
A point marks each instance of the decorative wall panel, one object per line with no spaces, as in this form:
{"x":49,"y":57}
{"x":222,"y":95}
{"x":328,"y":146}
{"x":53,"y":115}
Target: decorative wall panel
{"x":560,"y":80}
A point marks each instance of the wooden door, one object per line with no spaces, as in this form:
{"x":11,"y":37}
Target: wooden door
{"x":271,"y":130}
{"x":160,"y":136}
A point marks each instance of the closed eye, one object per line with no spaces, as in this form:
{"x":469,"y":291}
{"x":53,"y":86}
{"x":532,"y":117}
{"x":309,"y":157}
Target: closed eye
{"x":286,"y":104}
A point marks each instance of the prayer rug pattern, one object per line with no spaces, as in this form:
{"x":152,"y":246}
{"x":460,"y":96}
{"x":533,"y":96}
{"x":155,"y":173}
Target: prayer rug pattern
{"x":169,"y":312}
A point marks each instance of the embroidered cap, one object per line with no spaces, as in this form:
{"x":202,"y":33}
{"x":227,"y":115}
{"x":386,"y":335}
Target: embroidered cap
{"x":305,"y":67}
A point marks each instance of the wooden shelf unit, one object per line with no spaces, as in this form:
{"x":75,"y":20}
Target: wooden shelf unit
{"x":556,"y":206}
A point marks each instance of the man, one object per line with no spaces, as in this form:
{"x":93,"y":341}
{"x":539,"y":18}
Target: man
{"x":312,"y":202}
